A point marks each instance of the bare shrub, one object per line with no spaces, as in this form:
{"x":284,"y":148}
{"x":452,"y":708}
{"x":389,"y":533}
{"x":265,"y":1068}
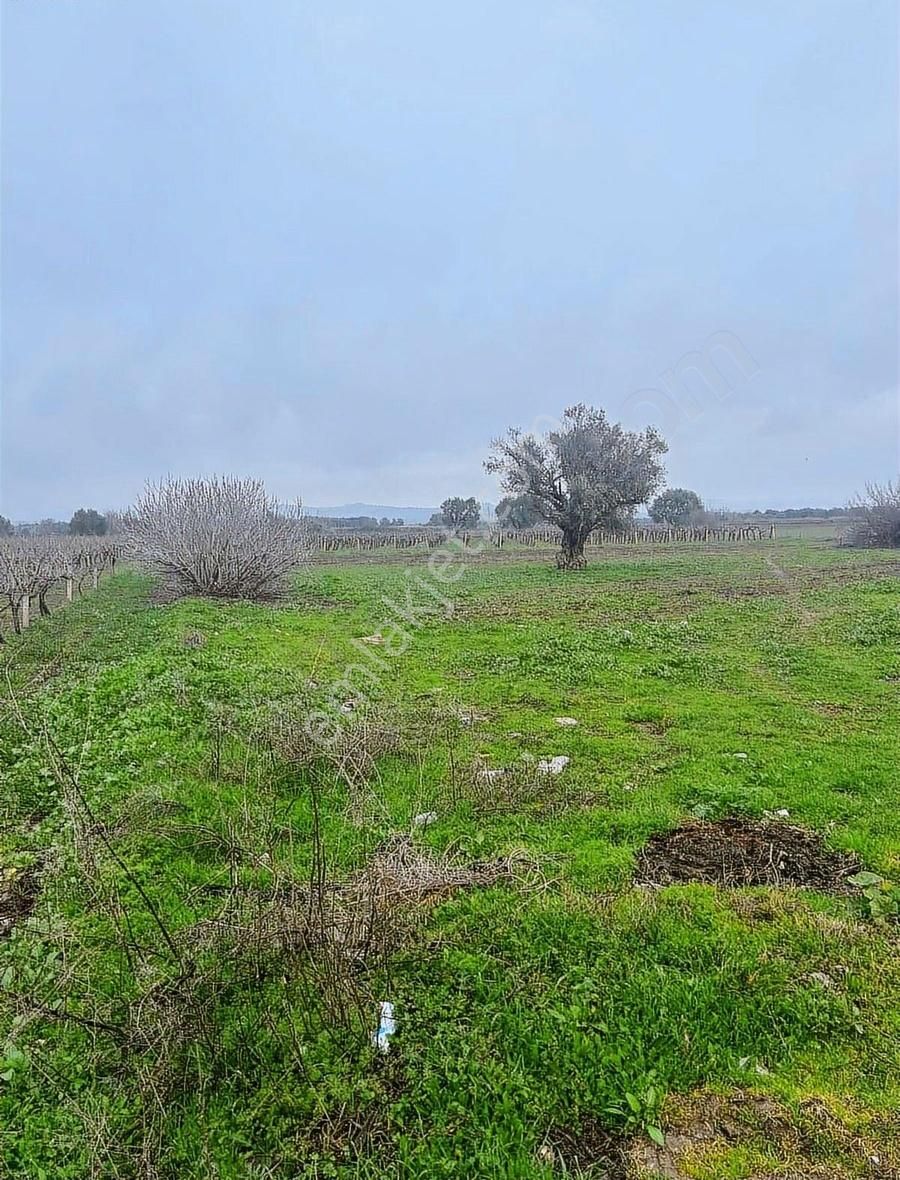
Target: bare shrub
{"x":507,"y":790}
{"x":876,"y":518}
{"x":366,"y":736}
{"x":223,"y":537}
{"x":360,"y":919}
{"x":174,"y":1021}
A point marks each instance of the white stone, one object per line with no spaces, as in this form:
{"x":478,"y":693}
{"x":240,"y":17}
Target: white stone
{"x":554,"y":765}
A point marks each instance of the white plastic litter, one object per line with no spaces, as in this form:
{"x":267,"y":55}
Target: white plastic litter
{"x":739,"y":755}
{"x":566,"y":722}
{"x":387,"y":1026}
{"x":554,"y":765}
{"x":424,"y":818}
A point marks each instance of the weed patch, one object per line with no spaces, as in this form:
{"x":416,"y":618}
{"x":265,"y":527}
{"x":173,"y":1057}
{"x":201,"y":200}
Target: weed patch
{"x":226,"y":904}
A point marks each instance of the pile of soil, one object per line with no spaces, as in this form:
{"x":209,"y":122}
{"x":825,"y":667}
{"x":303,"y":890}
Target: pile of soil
{"x":18,"y":897}
{"x":735,"y":852}
{"x":592,"y":1146}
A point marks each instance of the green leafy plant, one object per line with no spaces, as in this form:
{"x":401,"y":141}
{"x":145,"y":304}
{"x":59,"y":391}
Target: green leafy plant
{"x":880,"y":897}
{"x":11,"y":1062}
{"x":640,"y":1111}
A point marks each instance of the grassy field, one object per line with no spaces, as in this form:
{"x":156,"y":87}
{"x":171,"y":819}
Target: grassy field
{"x":201,"y":909}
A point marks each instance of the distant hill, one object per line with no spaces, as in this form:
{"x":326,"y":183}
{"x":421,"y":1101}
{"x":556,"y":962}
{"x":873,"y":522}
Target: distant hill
{"x":391,"y":511}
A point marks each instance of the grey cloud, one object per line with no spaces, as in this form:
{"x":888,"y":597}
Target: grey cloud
{"x":343,"y":252}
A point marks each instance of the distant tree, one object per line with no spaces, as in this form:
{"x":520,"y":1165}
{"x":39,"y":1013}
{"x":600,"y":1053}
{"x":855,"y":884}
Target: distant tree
{"x":675,"y":506}
{"x":587,"y":474}
{"x":359,"y":523}
{"x":519,"y":512}
{"x":457,"y":513}
{"x":113,"y":522}
{"x":6,"y":527}
{"x":48,"y":527}
{"x":799,"y":513}
{"x":87,"y":522}
{"x":875,"y":517}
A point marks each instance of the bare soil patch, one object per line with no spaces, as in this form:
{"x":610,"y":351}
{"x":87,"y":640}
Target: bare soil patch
{"x":809,"y":1144}
{"x":736,"y":852}
{"x":592,"y":1149}
{"x":18,"y":897}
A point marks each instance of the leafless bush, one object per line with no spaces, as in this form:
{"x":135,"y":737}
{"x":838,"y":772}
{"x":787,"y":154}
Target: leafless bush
{"x":216,"y":538}
{"x":367,"y":735}
{"x":526,"y":784}
{"x":876,"y":518}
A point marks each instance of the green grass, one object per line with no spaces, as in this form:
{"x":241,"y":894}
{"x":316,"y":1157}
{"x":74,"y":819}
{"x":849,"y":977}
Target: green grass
{"x":519,"y":1009}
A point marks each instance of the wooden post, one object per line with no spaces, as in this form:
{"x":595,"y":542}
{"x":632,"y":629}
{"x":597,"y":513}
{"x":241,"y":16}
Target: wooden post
{"x":70,"y":589}
{"x":95,"y":577}
{"x":25,"y":611}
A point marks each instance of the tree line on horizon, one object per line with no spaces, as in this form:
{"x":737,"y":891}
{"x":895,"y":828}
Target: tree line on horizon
{"x":586,"y":474}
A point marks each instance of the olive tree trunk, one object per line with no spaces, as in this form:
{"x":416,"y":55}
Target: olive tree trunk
{"x":571,"y":553}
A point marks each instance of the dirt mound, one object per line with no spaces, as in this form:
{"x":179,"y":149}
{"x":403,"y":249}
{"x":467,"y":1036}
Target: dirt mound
{"x":591,"y":1147}
{"x":735,"y":852}
{"x":18,"y":897}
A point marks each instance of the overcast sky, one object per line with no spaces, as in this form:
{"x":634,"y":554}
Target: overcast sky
{"x":341,"y":245}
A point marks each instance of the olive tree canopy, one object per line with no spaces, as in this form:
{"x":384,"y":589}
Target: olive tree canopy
{"x":458,"y":513}
{"x":518,"y":512}
{"x":88,"y":522}
{"x":588,"y":473}
{"x":675,"y":506}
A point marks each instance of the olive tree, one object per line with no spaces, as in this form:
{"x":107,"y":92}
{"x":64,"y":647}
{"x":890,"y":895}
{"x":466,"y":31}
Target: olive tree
{"x":675,"y":506}
{"x":518,"y":512}
{"x":586,"y":474}
{"x":88,"y":522}
{"x":457,"y":513}
{"x":217,"y":538}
